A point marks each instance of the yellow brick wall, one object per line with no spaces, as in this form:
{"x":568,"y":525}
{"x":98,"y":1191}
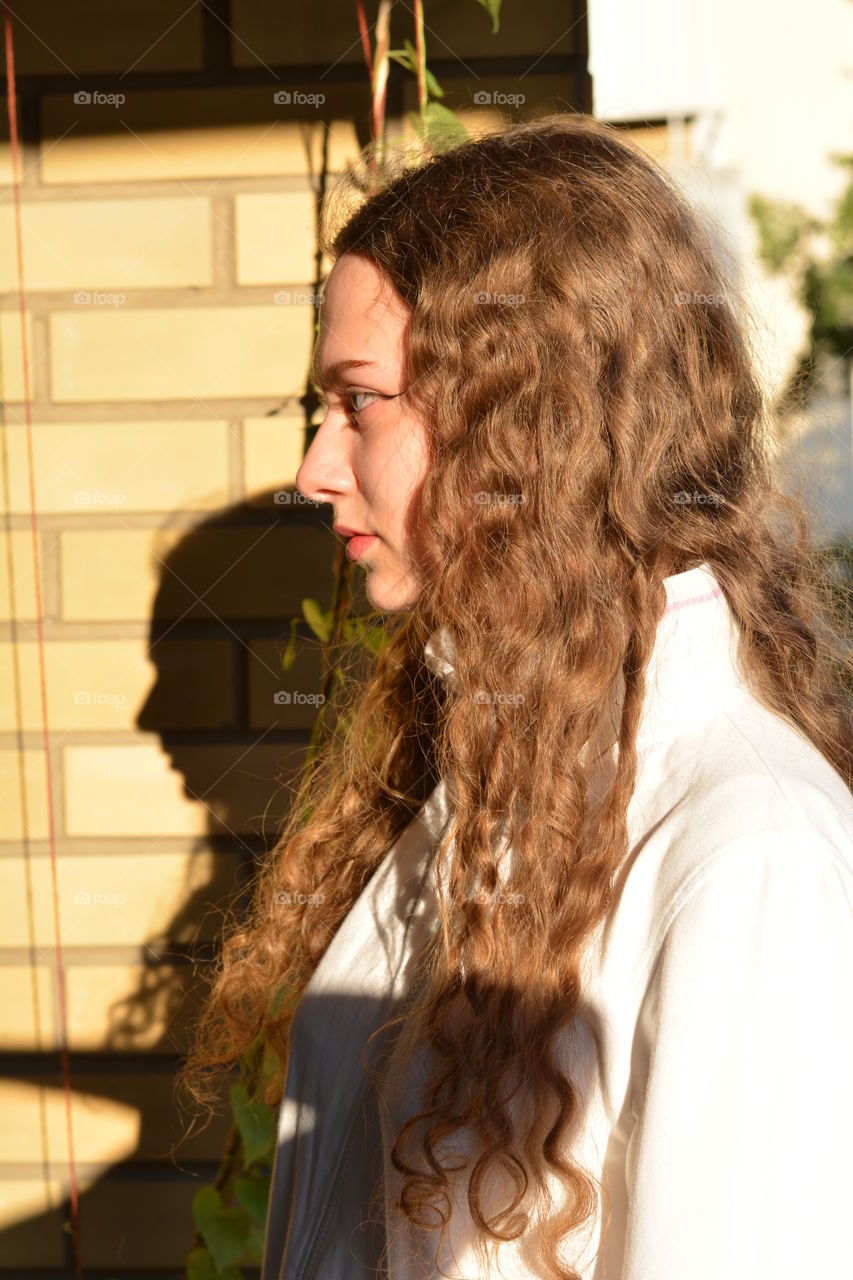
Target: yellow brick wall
{"x":168,"y":255}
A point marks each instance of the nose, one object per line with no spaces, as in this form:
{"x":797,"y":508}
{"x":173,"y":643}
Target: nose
{"x":325,"y":470}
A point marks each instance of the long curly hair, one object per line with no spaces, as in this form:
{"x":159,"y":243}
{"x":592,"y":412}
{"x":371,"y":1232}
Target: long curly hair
{"x":581,"y":359}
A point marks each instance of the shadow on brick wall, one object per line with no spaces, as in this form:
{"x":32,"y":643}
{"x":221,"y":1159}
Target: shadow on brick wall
{"x":220,"y":622}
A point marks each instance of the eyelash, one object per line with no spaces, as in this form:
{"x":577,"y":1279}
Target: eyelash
{"x":348,"y":397}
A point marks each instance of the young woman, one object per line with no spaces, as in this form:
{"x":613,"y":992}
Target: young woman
{"x":566,"y":913}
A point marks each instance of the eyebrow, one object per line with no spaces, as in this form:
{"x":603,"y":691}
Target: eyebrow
{"x":323,"y":379}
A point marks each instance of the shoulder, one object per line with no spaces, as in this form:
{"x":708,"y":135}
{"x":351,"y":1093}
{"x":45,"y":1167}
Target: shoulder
{"x":748,"y":778}
{"x":747,"y":797}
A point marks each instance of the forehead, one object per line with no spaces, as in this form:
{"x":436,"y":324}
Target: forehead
{"x":362,"y":318}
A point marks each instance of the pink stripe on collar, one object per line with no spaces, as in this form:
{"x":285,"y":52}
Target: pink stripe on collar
{"x":681,"y":604}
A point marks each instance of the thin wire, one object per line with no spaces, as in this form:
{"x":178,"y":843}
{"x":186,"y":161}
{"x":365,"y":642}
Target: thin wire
{"x":60,"y":966}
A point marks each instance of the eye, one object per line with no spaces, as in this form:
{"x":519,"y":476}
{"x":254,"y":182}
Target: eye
{"x":352,"y":396}
{"x":350,"y":401}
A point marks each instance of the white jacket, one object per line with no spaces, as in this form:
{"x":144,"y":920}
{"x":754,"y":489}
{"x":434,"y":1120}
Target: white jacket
{"x":715,"y":1054}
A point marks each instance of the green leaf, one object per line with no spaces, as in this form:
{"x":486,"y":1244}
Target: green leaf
{"x":319,"y":622}
{"x":255,"y":1245}
{"x":200,"y":1265}
{"x":255,"y":1122}
{"x":403,"y":58}
{"x":253,"y":1193}
{"x":224,"y":1231}
{"x":408,"y":58}
{"x":432,"y":84}
{"x":782,"y":230}
{"x":441,"y":129}
{"x":493,"y":8}
{"x":376,"y":638}
{"x":289,"y":656}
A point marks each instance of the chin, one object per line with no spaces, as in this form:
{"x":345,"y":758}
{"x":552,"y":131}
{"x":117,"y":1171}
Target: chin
{"x":388,"y":599}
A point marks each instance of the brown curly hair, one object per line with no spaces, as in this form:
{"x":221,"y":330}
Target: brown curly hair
{"x":574,"y":345}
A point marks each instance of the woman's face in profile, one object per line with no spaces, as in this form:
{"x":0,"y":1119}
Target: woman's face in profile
{"x":369,"y":455}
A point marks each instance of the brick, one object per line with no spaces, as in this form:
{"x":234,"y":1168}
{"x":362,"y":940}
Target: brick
{"x":275,"y":241}
{"x":152,"y":36}
{"x":107,"y":685}
{"x":297,"y":688}
{"x":105,"y":1129}
{"x":129,"y":791}
{"x":117,"y":1229}
{"x":273,"y":449}
{"x":125,"y":1007}
{"x":193,"y":686}
{"x":162,"y":1125}
{"x":18,"y":591}
{"x":109,"y":244}
{"x":13,"y":388}
{"x":31,"y":1223}
{"x":122,"y":353}
{"x":114,"y":573}
{"x":121,"y":901}
{"x":88,"y":684}
{"x":28,"y":999}
{"x":96,"y":467}
{"x":222,"y":572}
{"x":23,"y":795}
{"x":182,"y":133}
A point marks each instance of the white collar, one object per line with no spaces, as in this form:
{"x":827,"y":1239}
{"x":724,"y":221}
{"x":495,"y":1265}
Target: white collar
{"x":692,"y":669}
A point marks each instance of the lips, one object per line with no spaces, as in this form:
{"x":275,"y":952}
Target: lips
{"x":346,"y":532}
